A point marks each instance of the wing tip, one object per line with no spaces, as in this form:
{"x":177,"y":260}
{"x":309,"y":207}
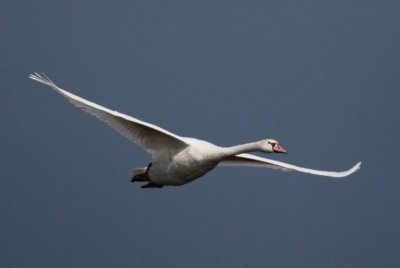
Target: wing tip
{"x":351,"y":170}
{"x":42,"y":78}
{"x":356,"y":166}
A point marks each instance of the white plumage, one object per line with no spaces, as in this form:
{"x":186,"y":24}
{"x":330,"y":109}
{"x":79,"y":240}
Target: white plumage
{"x":178,"y":160}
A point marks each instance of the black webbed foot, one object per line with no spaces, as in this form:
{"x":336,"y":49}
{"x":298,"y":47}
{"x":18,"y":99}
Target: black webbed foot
{"x":151,"y":185}
{"x":143,"y":176}
{"x":140,"y":177}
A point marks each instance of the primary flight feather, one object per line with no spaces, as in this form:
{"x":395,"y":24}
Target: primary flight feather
{"x":178,"y":160}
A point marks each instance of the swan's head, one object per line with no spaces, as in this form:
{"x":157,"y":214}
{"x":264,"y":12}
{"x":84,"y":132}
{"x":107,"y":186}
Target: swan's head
{"x":272,"y":146}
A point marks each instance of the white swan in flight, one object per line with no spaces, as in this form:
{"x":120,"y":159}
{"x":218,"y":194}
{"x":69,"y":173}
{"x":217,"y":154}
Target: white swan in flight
{"x":178,"y":160}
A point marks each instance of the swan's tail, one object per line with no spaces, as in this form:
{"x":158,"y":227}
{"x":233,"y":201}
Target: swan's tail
{"x":139,"y":171}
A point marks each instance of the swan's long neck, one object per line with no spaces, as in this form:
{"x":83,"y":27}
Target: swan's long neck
{"x":242,"y":148}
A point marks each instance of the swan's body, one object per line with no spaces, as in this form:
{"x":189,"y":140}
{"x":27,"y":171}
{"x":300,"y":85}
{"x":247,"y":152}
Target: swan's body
{"x":178,"y":160}
{"x":182,"y":165}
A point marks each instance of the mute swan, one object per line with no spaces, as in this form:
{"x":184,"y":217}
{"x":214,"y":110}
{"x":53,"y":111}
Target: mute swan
{"x":178,"y":160}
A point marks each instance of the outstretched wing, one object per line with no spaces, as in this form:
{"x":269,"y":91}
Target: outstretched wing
{"x":146,"y":135}
{"x":256,"y":161}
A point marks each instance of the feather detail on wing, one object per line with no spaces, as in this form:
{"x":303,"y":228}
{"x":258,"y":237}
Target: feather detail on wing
{"x":256,"y":161}
{"x":148,"y":136}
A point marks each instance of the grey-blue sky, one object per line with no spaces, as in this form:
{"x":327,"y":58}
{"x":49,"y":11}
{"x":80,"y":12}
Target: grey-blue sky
{"x":319,"y":76}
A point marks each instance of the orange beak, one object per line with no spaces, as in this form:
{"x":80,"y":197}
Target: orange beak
{"x":279,"y":149}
